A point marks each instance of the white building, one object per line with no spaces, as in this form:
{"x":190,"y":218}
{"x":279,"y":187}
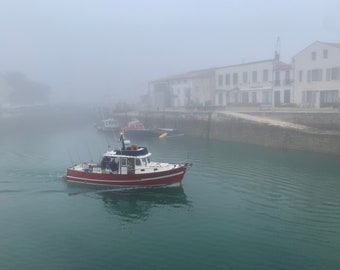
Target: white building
{"x":253,"y":83}
{"x":317,"y":75}
{"x":192,"y":89}
{"x":282,"y":84}
{"x":312,"y":80}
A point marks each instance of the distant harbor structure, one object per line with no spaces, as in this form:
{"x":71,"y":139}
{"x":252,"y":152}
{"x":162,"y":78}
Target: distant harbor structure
{"x":311,"y":80}
{"x":311,"y":130}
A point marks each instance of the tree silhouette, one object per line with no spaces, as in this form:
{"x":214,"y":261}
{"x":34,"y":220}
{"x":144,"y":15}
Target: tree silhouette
{"x":24,"y":91}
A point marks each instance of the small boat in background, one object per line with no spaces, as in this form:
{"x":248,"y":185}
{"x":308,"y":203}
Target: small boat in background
{"x":109,"y":124}
{"x":168,"y":133}
{"x":135,"y":128}
{"x":130,"y":166}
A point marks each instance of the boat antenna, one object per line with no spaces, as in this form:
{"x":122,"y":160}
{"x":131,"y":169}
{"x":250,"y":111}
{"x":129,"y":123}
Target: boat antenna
{"x":277,"y":49}
{"x":70,"y":156}
{"x":122,"y":139}
{"x":88,"y":149}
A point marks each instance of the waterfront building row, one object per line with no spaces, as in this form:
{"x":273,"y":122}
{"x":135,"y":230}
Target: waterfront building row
{"x":312,"y":79}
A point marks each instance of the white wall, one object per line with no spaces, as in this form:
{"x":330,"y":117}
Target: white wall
{"x":303,"y":62}
{"x":260,"y":87}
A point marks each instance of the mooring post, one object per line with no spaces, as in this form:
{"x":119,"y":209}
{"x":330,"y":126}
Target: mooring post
{"x":208,"y":126}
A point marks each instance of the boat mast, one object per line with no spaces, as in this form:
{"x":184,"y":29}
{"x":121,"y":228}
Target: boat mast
{"x":122,"y":140}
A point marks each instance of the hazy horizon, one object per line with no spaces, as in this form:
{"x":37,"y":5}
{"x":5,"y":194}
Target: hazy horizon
{"x":108,"y":50}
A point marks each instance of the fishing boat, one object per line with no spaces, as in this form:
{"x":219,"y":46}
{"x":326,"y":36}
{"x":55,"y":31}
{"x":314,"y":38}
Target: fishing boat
{"x":129,"y":166}
{"x":136,"y":129}
{"x":109,"y":124}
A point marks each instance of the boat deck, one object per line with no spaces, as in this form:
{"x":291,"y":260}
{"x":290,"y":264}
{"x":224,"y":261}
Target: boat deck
{"x":151,"y":168}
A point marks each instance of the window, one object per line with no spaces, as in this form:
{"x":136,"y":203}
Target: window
{"x":245,"y":98}
{"x":277,"y":98}
{"x":314,"y":56}
{"x":277,"y":77}
{"x":328,"y":98}
{"x":254,"y":76}
{"x":325,"y":54}
{"x":287,"y":79}
{"x":227,"y":79}
{"x":287,"y":75}
{"x":235,"y":78}
{"x":265,"y":75}
{"x":314,"y":75}
{"x":309,"y":97}
{"x":286,"y":96}
{"x":234,"y":98}
{"x":245,"y":77}
{"x":227,"y":97}
{"x":253,"y":97}
{"x":300,"y":75}
{"x":333,"y":74}
{"x":220,"y":80}
{"x":123,"y":161}
{"x":220,"y":98}
{"x":266,"y":97}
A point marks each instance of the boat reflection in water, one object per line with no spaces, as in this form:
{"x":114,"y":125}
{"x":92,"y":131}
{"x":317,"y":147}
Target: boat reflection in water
{"x":135,"y":204}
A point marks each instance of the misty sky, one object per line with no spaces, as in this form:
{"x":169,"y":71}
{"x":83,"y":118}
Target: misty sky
{"x":97,"y":50}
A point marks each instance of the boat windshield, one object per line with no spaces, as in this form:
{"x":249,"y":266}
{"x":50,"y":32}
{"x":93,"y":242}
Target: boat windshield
{"x":145,"y":161}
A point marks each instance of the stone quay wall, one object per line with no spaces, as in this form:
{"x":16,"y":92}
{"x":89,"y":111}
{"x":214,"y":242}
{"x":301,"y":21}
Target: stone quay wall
{"x":321,"y":135}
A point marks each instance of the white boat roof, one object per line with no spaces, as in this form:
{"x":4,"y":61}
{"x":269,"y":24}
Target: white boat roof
{"x":128,"y":153}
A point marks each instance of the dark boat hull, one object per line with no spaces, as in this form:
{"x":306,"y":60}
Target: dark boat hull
{"x":165,"y":178}
{"x":145,"y":133}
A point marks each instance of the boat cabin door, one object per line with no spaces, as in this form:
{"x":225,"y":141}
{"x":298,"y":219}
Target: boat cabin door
{"x":123,"y":166}
{"x":127,"y":165}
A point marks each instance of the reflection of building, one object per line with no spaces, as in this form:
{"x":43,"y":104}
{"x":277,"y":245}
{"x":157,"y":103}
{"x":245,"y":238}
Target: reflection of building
{"x":312,"y":80}
{"x":317,"y":75}
{"x":190,"y":89}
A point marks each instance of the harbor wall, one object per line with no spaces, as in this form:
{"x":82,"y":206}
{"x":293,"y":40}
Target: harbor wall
{"x":212,"y":125}
{"x":327,"y":119}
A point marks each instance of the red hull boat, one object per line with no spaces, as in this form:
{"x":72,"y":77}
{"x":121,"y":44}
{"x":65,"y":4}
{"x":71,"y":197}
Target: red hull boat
{"x":136,"y":129}
{"x":128,"y":167}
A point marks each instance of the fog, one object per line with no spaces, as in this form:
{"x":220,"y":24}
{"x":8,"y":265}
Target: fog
{"x":90,"y":51}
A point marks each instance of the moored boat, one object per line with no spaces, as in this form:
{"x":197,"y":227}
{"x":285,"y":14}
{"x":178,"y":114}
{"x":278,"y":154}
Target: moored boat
{"x":109,"y":124}
{"x":136,"y":129}
{"x":130,"y":166}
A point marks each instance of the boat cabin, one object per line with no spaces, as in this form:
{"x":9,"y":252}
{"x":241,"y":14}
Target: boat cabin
{"x":131,"y":160}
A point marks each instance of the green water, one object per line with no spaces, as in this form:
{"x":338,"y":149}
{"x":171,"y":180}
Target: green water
{"x":240,"y":207}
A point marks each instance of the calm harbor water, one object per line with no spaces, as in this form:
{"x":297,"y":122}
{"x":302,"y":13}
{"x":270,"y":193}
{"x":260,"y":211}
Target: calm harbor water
{"x":240,"y":207}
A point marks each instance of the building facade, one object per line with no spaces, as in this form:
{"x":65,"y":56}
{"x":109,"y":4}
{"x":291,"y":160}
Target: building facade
{"x":311,"y":80}
{"x":282,"y":84}
{"x":253,"y":84}
{"x":192,"y":89}
{"x":317,"y":75}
